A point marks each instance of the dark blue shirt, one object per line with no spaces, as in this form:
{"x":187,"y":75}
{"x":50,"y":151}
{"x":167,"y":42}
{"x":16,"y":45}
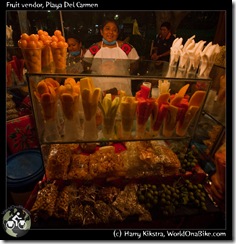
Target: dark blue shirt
{"x":164,"y":45}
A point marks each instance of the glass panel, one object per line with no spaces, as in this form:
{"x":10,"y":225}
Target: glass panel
{"x":107,"y":114}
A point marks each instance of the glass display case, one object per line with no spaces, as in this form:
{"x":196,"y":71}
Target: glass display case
{"x":109,"y":144}
{"x":54,"y":129}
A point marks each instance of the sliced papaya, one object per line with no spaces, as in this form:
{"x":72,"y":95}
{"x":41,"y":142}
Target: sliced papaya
{"x":181,"y":129}
{"x":170,"y":121}
{"x":52,"y":82}
{"x":42,"y":87}
{"x":197,"y":98}
{"x":162,"y":112}
{"x":70,"y":81}
{"x":87,"y":83}
{"x":46,"y":98}
{"x":163,"y":98}
{"x":176,"y":100}
{"x":67,"y":98}
{"x":183,"y":90}
{"x":67,"y":102}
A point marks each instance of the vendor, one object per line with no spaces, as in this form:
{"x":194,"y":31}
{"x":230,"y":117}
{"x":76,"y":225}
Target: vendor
{"x":111,"y":57}
{"x":75,"y":54}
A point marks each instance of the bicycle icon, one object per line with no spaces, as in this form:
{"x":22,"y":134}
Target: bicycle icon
{"x":16,"y":221}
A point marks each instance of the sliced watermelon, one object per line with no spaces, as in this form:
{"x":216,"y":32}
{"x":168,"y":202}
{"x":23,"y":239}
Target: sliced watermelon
{"x":183,"y":107}
{"x":145,"y":91}
{"x":162,"y":113}
{"x":144,"y":109}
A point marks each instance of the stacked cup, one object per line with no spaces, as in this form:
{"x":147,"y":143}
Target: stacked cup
{"x":59,"y":51}
{"x":31,"y":48}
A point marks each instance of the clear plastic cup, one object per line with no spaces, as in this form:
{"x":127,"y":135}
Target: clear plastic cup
{"x":47,"y":59}
{"x":108,"y":124}
{"x":59,"y":59}
{"x":32,"y":57}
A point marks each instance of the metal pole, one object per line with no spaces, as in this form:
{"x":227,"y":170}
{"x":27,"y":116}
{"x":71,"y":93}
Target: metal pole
{"x":62,"y":25}
{"x":22,"y":15}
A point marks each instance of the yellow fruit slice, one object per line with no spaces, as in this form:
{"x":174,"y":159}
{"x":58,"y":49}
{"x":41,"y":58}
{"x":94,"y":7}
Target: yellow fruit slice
{"x":76,"y":89}
{"x":163,"y":98}
{"x":42,"y":87}
{"x":106,"y":103}
{"x":197,"y":98}
{"x":129,"y":99}
{"x":176,"y":100}
{"x":94,"y":101}
{"x":125,"y":108}
{"x":70,"y":81}
{"x":188,"y":118}
{"x":86,"y":103}
{"x":67,"y":98}
{"x":86,"y":83}
{"x":52,"y":82}
{"x":67,"y":105}
{"x":46,"y":98}
{"x":96,"y":95}
{"x":170,"y":121}
{"x":183,"y":90}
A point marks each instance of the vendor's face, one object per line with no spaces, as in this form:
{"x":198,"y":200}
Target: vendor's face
{"x":110,"y":32}
{"x":73,"y":45}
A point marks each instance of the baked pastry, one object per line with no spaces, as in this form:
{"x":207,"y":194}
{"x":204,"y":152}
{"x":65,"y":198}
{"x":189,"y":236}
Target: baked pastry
{"x":79,"y":167}
{"x":45,"y":202}
{"x":58,"y":162}
{"x":148,"y":158}
{"x":127,"y":204}
{"x":104,"y":163}
{"x":62,"y":203}
{"x":76,"y":213}
{"x":75,"y":209}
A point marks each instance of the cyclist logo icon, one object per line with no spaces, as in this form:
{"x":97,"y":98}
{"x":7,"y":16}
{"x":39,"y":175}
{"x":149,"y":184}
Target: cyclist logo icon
{"x":16,"y":221}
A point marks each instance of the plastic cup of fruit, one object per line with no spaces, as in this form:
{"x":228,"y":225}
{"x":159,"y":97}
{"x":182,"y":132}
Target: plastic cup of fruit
{"x":32,"y":57}
{"x":108,"y":124}
{"x":47,"y":59}
{"x":127,"y":126}
{"x":140,"y":129}
{"x":59,"y":59}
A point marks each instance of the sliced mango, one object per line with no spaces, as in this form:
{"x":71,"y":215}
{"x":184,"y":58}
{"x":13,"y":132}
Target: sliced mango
{"x":197,"y":98}
{"x":52,"y":82}
{"x":67,"y":102}
{"x":170,"y":121}
{"x":163,"y":98}
{"x":189,"y":116}
{"x":87,"y":83}
{"x":46,"y":98}
{"x":183,"y":90}
{"x":176,"y":100}
{"x":42,"y":87}
{"x":70,"y":81}
{"x":52,"y":92}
